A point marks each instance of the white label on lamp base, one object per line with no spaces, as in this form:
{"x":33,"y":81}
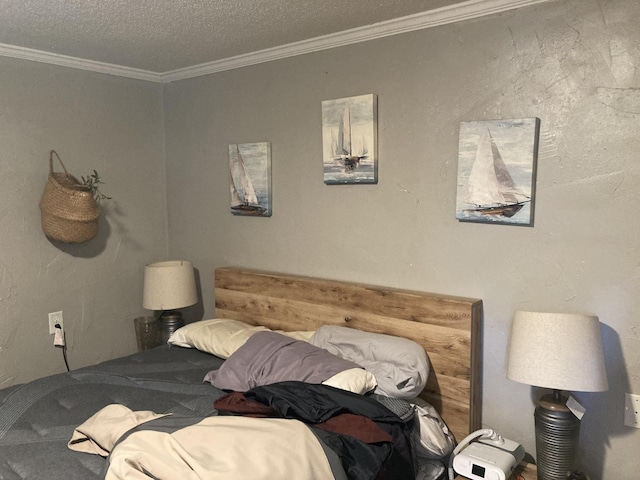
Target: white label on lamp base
{"x":575,"y":407}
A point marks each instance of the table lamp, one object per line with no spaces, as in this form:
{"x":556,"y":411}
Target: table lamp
{"x":560,"y":352}
{"x":168,"y":286}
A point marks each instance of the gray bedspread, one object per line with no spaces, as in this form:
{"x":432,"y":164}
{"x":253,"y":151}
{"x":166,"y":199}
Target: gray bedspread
{"x":37,"y":419}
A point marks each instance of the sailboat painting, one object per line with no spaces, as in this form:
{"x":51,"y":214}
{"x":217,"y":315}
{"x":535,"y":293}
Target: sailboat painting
{"x":250,"y":179}
{"x":496,"y":171}
{"x":349,"y":136}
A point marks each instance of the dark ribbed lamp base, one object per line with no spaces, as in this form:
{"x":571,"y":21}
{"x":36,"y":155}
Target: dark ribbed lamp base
{"x":557,"y":434}
{"x":170,"y":321}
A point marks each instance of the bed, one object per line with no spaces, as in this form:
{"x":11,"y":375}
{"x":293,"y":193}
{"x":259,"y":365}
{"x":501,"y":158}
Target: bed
{"x":38,"y":419}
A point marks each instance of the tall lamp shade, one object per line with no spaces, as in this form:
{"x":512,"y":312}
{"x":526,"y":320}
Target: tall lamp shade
{"x":561,"y":352}
{"x":167,"y":287}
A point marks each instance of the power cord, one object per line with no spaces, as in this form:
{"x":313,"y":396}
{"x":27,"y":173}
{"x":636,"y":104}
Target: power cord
{"x":59,"y":341}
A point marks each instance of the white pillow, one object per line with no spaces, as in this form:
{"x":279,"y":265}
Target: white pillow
{"x":356,"y":380}
{"x":221,"y":336}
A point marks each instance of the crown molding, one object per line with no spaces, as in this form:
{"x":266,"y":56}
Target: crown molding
{"x":432,"y":18}
{"x":79,"y":63}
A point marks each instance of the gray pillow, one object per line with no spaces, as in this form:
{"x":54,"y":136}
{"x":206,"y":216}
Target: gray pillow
{"x":401,"y":366}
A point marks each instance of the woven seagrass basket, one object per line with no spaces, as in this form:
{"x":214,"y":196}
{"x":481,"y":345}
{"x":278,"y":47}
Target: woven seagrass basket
{"x":69,"y":212}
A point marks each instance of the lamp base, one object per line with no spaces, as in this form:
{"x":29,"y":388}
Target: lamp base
{"x":557,"y":434}
{"x":169,"y":321}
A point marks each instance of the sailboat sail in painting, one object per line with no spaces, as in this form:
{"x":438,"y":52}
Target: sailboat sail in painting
{"x":345,"y":148}
{"x":491,"y":189}
{"x":496,"y":183}
{"x":349,"y":136}
{"x":247,"y":199}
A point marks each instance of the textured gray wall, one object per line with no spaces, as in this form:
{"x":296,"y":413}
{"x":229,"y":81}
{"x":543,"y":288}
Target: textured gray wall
{"x":573,"y":64}
{"x":93,"y":121}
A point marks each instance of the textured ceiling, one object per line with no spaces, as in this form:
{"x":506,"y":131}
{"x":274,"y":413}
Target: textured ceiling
{"x":165,"y":35}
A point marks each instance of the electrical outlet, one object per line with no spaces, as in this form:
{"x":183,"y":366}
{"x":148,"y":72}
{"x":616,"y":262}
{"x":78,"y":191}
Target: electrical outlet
{"x":55,"y":318}
{"x":632,"y":410}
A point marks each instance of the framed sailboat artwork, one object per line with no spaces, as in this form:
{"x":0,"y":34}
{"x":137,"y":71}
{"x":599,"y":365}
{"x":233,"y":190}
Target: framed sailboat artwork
{"x":497,"y":171}
{"x":349,"y":136}
{"x":250,"y":179}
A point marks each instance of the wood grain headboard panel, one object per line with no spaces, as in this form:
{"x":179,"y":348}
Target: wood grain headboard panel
{"x":449,"y":328}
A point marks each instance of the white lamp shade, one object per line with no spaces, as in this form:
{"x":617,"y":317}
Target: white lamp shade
{"x":169,"y":285}
{"x":558,"y":351}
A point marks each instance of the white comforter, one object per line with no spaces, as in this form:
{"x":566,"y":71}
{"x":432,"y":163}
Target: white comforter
{"x":221,"y":448}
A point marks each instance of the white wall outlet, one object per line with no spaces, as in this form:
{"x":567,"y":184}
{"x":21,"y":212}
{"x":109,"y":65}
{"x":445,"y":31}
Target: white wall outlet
{"x":632,"y":410}
{"x":55,"y":317}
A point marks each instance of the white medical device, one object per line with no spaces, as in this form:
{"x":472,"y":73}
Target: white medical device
{"x":491,"y":457}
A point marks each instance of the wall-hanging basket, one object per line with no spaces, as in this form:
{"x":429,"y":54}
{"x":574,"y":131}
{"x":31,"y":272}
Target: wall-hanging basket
{"x":69,"y":211}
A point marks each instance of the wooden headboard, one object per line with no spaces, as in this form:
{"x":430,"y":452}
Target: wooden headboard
{"x":449,"y":328}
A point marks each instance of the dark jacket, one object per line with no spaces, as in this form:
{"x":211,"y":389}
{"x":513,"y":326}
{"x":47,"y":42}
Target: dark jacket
{"x":371,"y":441}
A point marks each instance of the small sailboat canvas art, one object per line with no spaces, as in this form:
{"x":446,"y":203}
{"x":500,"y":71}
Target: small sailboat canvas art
{"x":349,"y":130}
{"x":496,"y":171}
{"x":250,"y":179}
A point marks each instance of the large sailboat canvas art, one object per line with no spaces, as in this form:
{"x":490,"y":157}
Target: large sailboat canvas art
{"x":497,"y":171}
{"x":250,"y":179}
{"x":349,"y":135}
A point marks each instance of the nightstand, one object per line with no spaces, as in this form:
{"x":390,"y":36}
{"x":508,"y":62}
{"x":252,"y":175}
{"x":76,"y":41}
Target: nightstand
{"x":525,"y":471}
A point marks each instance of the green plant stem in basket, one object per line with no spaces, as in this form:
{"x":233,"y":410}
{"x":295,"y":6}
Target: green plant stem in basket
{"x":93,"y":181}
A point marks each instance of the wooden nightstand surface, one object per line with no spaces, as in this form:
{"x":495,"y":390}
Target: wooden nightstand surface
{"x":525,"y":471}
